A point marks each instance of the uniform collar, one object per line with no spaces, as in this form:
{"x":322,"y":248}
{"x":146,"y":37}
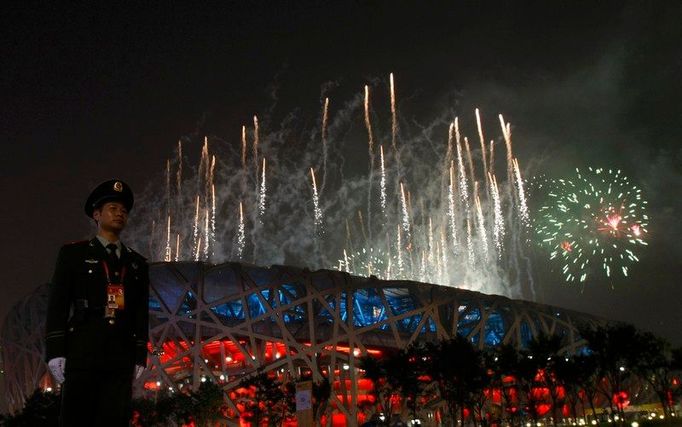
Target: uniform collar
{"x":99,"y":243}
{"x":105,"y":242}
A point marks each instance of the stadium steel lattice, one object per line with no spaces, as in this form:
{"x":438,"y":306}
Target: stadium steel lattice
{"x":221,"y":322}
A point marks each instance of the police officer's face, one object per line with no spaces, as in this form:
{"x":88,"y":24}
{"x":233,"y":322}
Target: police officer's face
{"x":112,"y":216}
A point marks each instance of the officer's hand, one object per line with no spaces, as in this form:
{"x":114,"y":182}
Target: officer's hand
{"x":57,"y":366}
{"x":138,"y":371}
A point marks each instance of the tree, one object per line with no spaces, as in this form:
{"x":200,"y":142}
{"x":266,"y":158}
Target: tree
{"x":657,"y":367}
{"x":265,"y":397}
{"x":40,"y":409}
{"x":502,"y":361}
{"x":577,"y":375}
{"x":545,"y":350}
{"x":376,"y":370}
{"x":321,"y":392}
{"x":457,"y":368}
{"x":406,"y":371}
{"x":615,"y":354}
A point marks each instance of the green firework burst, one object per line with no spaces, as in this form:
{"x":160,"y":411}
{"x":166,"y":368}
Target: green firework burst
{"x":594,"y":223}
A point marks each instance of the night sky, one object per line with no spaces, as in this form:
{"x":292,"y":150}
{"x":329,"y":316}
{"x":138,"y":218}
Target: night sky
{"x":100,"y":92}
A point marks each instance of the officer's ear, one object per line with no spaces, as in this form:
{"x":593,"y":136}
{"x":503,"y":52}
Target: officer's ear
{"x":96,"y":213}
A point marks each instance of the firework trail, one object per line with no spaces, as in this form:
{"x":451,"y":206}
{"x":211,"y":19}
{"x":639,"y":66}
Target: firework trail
{"x":523,"y":207}
{"x":370,"y":136}
{"x":506,"y":132}
{"x":394,"y":120}
{"x":368,"y":124}
{"x":244,"y":147}
{"x":177,"y":248}
{"x":178,"y":177}
{"x":482,"y":140}
{"x":325,"y":121}
{"x":492,"y":153}
{"x":256,"y":141}
{"x":470,"y":161}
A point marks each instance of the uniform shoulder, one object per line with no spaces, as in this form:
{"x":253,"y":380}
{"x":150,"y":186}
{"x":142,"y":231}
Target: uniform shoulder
{"x":136,"y":255}
{"x":74,"y":246}
{"x":77,"y":243}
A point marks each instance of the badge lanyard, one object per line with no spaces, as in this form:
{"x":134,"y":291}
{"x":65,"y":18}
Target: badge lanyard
{"x":115,"y":294}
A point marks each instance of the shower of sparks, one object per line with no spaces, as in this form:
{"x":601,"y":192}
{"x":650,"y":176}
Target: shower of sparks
{"x":212,"y":216}
{"x":399,"y":245}
{"x":168,"y":254}
{"x":463,"y":186}
{"x":195,"y":228}
{"x":452,"y":220}
{"x":406,"y":214}
{"x":263,"y":192}
{"x":470,"y":243}
{"x":207,"y":234}
{"x":316,"y":201}
{"x":198,"y":250}
{"x":241,"y":234}
{"x":498,"y":223}
{"x":481,"y":227}
{"x":383,"y":182}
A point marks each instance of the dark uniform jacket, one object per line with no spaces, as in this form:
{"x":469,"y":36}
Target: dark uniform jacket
{"x":76,"y":325}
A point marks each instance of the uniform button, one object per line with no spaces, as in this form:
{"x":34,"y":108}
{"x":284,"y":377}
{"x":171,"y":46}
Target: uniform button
{"x":70,"y":329}
{"x":90,"y":271}
{"x":116,"y":273}
{"x":111,"y":321}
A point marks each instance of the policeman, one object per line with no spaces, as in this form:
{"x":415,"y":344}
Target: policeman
{"x":97,"y":316}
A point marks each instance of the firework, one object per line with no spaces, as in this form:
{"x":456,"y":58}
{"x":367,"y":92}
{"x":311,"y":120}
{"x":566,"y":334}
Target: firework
{"x":366,"y":262}
{"x":441,"y":217}
{"x":593,"y":225}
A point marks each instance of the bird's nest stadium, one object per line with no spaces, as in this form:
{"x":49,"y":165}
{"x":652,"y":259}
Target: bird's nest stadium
{"x":221,"y":322}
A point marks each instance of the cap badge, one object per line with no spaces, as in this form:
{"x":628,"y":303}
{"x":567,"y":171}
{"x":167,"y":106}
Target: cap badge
{"x":118,"y":186}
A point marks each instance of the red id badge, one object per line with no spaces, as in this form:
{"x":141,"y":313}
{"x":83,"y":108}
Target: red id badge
{"x":115,"y":297}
